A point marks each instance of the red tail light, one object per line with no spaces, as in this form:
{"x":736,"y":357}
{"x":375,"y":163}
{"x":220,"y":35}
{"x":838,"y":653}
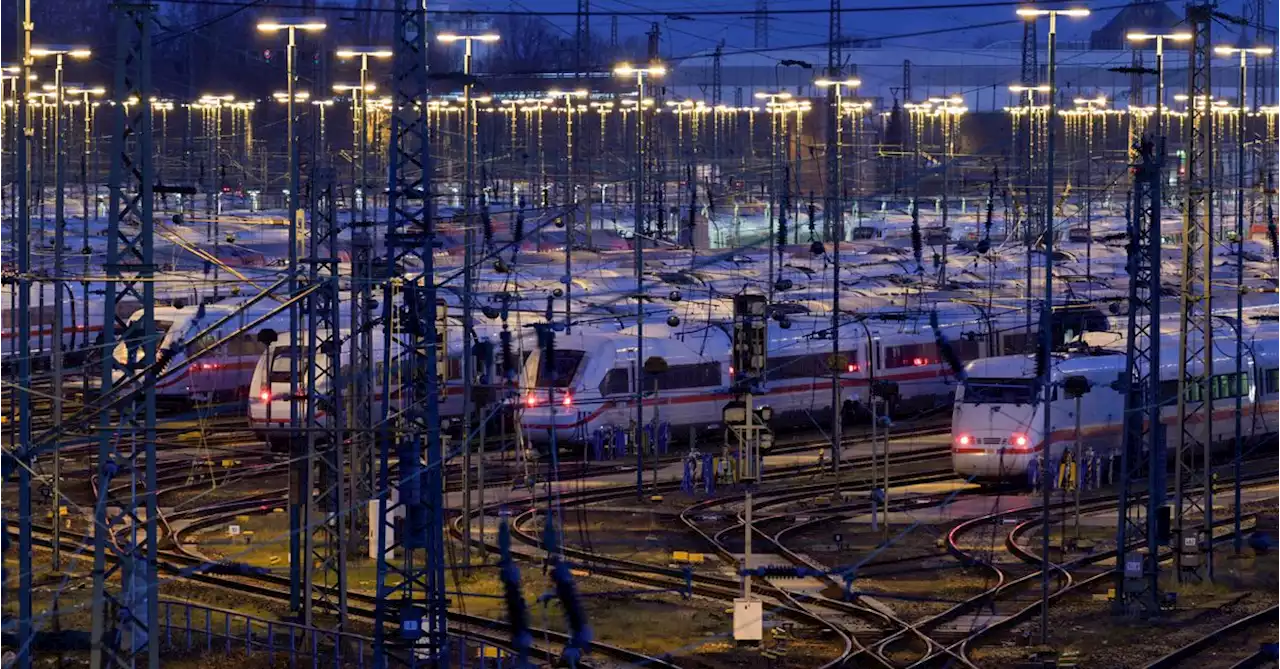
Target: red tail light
{"x":964,"y":440}
{"x":265,"y":395}
{"x":730,"y":371}
{"x":568,"y":399}
{"x":531,"y":401}
{"x":1019,"y":443}
{"x":852,"y":368}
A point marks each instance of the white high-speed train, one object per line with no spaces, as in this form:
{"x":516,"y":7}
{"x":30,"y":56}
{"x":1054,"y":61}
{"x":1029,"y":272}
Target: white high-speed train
{"x":270,"y":401}
{"x":997,"y":428}
{"x":592,"y":383}
{"x":222,"y":373}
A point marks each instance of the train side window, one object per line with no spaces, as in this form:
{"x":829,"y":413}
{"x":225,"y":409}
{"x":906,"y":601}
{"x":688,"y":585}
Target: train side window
{"x":615,"y":382}
{"x":1270,"y":381}
{"x":700,"y":375}
{"x":911,"y":355}
{"x":1168,"y":393}
{"x":1230,"y":385}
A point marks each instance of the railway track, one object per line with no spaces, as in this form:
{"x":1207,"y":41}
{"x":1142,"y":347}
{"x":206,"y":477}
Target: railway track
{"x":1073,"y":575}
{"x":813,"y":610}
{"x":1189,"y":654}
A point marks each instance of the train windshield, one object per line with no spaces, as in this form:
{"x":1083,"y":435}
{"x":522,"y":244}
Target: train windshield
{"x":280,"y":372}
{"x":561,"y":373}
{"x":999,"y":391}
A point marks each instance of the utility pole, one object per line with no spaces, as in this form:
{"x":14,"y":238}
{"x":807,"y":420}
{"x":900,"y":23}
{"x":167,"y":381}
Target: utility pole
{"x":19,"y":462}
{"x":761,"y":24}
{"x":1193,"y":494}
{"x":1142,"y":460}
{"x":126,"y":621}
{"x":411,"y":556}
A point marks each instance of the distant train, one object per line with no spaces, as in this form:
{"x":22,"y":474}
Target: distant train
{"x":592,"y":383}
{"x":270,"y":402}
{"x":997,"y":428}
{"x":223,"y":373}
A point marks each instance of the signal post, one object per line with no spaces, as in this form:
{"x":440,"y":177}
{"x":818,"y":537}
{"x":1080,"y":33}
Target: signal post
{"x":746,"y":434}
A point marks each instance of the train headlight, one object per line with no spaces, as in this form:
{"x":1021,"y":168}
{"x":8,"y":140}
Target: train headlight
{"x":568,"y":399}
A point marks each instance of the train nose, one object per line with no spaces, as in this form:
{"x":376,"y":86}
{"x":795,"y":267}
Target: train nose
{"x":990,"y":455}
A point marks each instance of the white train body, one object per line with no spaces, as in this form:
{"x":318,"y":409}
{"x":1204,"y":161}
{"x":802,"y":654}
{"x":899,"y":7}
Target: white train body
{"x":997,"y":429}
{"x":594,"y":390}
{"x":269,"y":399}
{"x":227,"y":370}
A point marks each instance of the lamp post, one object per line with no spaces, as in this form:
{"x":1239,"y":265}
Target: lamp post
{"x":86,"y":99}
{"x":59,"y":241}
{"x":637,"y":241}
{"x":468,"y":272}
{"x":360,"y":117}
{"x":1028,"y":94}
{"x":1158,"y":131}
{"x":567,"y":280}
{"x":835,"y":219}
{"x":300,"y":485}
{"x":1088,"y":106}
{"x":13,"y":75}
{"x":948,"y":108}
{"x":1046,"y":312}
{"x":213,"y":104}
{"x":1244,"y":52}
{"x":770,"y":104}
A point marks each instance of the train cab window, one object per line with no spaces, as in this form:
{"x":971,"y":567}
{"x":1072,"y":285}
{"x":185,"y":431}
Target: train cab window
{"x":966,"y":349}
{"x":677,"y":377}
{"x":562,"y":373}
{"x":911,"y":355}
{"x":1013,"y":343}
{"x":1270,"y":381}
{"x":200,"y":344}
{"x":616,"y":382}
{"x":1000,"y":391}
{"x":246,"y":345}
{"x":280,"y":372}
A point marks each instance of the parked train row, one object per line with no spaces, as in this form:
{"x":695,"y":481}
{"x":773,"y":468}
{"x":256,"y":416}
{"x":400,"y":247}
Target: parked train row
{"x":998,"y":429}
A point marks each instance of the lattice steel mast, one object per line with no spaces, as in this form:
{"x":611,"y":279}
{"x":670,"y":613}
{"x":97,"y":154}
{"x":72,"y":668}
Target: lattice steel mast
{"x":1142,"y":460}
{"x":1192,"y":493}
{"x":125,"y":597}
{"x":411,"y":557}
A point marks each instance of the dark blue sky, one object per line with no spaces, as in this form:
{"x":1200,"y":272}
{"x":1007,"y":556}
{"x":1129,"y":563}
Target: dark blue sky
{"x":685,"y":36}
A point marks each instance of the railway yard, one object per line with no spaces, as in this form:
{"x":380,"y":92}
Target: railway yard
{"x":529,"y":350}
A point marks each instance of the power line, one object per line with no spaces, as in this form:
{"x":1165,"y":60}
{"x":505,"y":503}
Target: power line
{"x":637,"y":12}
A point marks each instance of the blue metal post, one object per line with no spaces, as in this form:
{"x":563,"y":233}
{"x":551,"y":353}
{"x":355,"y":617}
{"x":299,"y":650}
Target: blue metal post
{"x":124,"y":620}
